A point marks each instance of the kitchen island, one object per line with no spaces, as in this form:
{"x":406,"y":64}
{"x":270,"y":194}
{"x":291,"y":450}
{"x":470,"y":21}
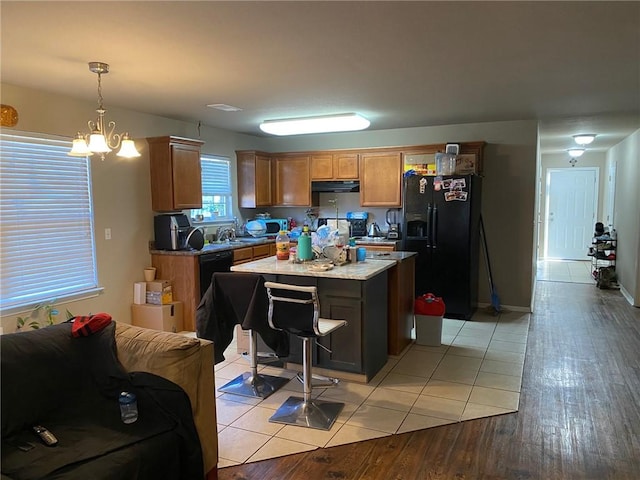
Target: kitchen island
{"x":355,"y":292}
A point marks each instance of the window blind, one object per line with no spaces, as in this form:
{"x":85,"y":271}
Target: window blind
{"x":216,"y":176}
{"x":47,"y":249}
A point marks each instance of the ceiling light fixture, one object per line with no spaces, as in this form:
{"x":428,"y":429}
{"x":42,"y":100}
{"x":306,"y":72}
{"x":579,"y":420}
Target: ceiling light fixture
{"x":584,"y":138}
{"x":574,"y":153}
{"x":344,"y":122}
{"x":99,"y":140}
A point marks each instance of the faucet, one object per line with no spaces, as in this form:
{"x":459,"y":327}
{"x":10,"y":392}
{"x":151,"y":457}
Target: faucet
{"x":334,"y":202}
{"x":225,"y":233}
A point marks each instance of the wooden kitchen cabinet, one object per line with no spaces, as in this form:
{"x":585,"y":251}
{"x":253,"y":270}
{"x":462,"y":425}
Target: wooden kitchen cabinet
{"x":292,"y":181}
{"x":247,"y":254}
{"x":337,"y":166}
{"x":261,"y":251}
{"x":242,"y":255}
{"x":254,"y":179}
{"x":176,"y":182}
{"x":184,"y":273}
{"x":401,"y":288}
{"x":381,"y":179}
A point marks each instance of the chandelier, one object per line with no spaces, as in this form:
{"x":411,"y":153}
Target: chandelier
{"x":99,"y":140}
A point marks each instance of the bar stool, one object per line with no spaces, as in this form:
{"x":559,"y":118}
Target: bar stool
{"x":240,"y":299}
{"x":296,"y":309}
{"x":251,"y":383}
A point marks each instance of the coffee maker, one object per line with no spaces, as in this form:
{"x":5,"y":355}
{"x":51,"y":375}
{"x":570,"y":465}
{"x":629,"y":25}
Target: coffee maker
{"x":393,"y":221}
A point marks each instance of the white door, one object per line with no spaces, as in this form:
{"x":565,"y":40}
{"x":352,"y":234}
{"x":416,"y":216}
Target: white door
{"x":572,"y":196}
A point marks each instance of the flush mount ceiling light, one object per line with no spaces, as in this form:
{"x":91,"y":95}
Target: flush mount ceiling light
{"x":575,"y":152}
{"x":584,"y":138}
{"x":344,"y":122}
{"x":99,"y":141}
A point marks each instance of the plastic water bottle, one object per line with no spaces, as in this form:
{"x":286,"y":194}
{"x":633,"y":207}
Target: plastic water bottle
{"x":128,"y":407}
{"x":282,"y":245}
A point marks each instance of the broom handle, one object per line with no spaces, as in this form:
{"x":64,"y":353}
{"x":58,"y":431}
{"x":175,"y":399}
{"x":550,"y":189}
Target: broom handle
{"x":486,"y":253}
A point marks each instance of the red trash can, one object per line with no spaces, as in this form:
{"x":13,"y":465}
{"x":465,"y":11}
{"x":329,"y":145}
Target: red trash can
{"x":428,"y":313}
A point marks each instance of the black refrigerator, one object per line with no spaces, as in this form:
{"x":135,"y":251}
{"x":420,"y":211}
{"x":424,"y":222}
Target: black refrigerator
{"x":441,"y":222}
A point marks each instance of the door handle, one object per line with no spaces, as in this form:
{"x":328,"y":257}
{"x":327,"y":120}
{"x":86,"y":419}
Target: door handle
{"x":434,"y":227}
{"x":429,"y":214}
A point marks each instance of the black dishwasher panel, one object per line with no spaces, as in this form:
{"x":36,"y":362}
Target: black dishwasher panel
{"x":211,"y":263}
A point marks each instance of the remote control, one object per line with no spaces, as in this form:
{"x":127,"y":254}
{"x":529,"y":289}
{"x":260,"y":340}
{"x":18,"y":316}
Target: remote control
{"x":45,"y":435}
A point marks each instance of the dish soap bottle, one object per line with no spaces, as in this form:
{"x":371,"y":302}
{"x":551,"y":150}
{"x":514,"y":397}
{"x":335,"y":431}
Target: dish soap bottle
{"x":282,"y":245}
{"x":304,"y":245}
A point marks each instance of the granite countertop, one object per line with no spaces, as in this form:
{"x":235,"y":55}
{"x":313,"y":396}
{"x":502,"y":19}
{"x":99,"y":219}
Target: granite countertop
{"x":350,"y":271}
{"x":240,"y":242}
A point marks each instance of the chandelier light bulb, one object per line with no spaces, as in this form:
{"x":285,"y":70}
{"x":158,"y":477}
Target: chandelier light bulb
{"x":80,"y":147}
{"x":128,"y":148}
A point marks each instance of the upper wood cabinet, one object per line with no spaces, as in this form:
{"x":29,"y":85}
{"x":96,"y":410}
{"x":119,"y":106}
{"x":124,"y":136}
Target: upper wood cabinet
{"x":292,"y":180}
{"x":254,"y":179}
{"x":176,"y":182}
{"x":381,"y":179}
{"x":337,"y":166}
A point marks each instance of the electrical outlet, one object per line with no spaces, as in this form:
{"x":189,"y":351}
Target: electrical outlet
{"x":107,"y":234}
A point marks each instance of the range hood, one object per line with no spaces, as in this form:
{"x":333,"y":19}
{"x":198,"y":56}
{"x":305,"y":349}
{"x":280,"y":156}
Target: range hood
{"x":336,"y":186}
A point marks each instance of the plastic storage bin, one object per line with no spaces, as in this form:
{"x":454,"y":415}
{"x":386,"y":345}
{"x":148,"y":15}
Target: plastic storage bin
{"x":428,"y":314}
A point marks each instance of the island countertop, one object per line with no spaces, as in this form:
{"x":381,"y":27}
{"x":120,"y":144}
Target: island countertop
{"x":350,"y":271}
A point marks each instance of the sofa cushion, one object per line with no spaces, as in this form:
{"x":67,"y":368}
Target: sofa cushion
{"x":43,"y":370}
{"x":90,"y":429}
{"x":172,"y":356}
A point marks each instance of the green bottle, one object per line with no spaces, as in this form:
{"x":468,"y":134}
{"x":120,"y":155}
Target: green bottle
{"x":304,"y":245}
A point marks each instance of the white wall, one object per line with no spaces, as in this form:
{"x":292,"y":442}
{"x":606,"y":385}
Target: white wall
{"x":122,"y":189}
{"x":627,"y":214}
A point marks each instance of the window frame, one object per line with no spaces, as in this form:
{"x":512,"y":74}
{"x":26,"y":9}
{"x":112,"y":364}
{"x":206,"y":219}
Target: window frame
{"x":225,"y":191}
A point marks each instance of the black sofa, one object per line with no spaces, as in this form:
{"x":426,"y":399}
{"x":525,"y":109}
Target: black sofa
{"x":71,"y":386}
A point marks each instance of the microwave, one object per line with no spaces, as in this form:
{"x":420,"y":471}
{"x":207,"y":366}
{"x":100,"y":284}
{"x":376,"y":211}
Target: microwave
{"x":274,"y":225}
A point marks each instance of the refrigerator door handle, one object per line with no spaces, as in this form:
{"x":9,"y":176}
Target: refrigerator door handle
{"x":434,"y":226}
{"x":429,"y":214}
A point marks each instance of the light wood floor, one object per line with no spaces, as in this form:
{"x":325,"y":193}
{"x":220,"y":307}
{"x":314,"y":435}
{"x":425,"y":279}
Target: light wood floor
{"x":579,"y":415}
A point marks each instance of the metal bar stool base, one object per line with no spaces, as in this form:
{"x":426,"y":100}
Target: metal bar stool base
{"x":313,"y":414}
{"x":256,"y":386}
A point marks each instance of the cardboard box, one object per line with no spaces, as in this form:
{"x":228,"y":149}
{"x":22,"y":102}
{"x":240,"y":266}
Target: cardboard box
{"x":140,"y":293}
{"x":158,"y":317}
{"x":159,"y":292}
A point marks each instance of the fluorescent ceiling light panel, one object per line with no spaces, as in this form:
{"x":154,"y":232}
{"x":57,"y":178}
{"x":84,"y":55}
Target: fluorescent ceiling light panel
{"x":584,"y":138}
{"x":575,"y":152}
{"x":345,"y":122}
{"x":224,"y":107}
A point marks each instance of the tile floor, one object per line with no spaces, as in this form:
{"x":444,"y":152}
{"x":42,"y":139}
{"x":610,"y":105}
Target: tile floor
{"x":476,"y":372}
{"x":571,"y":271}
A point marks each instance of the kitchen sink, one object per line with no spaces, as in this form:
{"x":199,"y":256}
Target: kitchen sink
{"x":237,"y":241}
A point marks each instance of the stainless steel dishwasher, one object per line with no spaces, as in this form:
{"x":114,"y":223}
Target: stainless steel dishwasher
{"x":211,"y":263}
